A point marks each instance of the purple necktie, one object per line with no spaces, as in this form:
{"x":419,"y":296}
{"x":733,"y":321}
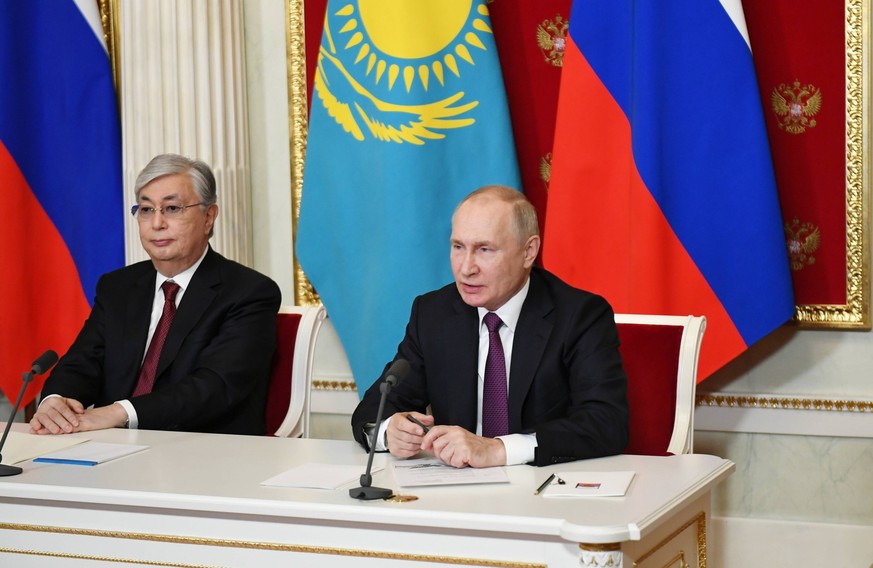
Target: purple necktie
{"x":146,"y":379}
{"x":495,"y":417}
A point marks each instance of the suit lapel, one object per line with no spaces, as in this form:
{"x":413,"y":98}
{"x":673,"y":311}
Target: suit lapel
{"x":196,"y":300}
{"x":531,"y":337}
{"x":136,"y":321}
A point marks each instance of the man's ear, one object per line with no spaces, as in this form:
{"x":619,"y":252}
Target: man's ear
{"x":531,"y":250}
{"x":211,"y":215}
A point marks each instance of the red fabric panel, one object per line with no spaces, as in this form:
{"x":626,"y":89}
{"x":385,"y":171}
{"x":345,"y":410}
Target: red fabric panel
{"x":651,"y":360}
{"x":531,"y":75}
{"x":279,"y":392}
{"x":804,"y":41}
{"x":313,"y":24}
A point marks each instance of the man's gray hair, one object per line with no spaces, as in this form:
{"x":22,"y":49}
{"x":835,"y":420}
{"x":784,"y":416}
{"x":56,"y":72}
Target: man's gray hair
{"x":198,"y":172}
{"x":524,"y":214}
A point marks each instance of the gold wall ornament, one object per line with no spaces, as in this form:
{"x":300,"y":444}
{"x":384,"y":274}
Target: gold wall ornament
{"x":546,"y":169}
{"x":783,"y":403}
{"x":796,"y":104}
{"x":552,"y":39}
{"x":803,"y":239}
{"x":298,"y":122}
{"x":330,"y":385}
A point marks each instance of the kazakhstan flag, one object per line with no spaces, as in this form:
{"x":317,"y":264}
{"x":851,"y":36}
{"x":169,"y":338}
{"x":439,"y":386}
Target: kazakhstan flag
{"x":408,"y":116}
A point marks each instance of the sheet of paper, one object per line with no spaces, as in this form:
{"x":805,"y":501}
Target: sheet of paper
{"x":431,"y":471}
{"x":90,"y":453}
{"x":589,"y":484}
{"x":319,"y":476}
{"x":21,"y":446}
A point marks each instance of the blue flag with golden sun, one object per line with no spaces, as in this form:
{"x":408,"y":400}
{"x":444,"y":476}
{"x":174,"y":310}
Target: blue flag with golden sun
{"x":408,"y":116}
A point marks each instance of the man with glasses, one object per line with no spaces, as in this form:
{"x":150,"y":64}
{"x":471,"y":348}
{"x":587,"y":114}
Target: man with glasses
{"x":182,"y":341}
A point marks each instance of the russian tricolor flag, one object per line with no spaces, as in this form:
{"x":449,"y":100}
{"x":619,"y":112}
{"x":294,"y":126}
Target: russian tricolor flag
{"x":60,"y":178}
{"x":662,"y":196}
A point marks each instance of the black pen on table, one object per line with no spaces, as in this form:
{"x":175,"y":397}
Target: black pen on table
{"x":414,"y":421}
{"x":544,"y":485}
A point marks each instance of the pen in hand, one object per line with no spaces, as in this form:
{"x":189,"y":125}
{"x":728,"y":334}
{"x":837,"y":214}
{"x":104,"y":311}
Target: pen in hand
{"x":545,"y":484}
{"x":414,"y":421}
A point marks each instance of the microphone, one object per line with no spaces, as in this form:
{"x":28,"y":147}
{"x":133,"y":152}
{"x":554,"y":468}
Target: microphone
{"x":43,"y":363}
{"x":395,"y":375}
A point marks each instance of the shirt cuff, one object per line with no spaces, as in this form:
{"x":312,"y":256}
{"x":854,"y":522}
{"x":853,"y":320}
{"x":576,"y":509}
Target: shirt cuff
{"x":520,"y":448}
{"x":381,"y":446}
{"x":132,"y":421}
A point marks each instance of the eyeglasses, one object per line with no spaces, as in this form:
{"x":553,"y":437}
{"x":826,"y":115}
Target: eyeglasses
{"x":172,"y":211}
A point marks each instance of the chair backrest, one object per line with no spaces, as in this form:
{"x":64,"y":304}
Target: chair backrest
{"x":287,"y":413}
{"x":660,"y":356}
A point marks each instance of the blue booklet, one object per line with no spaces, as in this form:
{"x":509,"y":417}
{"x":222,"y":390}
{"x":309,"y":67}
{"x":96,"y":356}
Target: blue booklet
{"x":90,"y":453}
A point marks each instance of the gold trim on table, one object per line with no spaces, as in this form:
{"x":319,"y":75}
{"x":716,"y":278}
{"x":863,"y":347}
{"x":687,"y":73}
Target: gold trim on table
{"x":271,"y":546}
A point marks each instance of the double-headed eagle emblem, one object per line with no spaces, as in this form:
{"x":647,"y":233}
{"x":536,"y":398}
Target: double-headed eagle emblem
{"x":803,"y":239}
{"x":552,"y":40}
{"x":796,"y":105}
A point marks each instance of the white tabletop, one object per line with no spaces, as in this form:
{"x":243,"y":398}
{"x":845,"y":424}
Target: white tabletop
{"x":223,"y":473}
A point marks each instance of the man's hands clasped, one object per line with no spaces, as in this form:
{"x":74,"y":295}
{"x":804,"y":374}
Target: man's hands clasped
{"x":451,"y":444}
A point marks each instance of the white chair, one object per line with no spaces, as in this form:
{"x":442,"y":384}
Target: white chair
{"x":287,"y":413}
{"x":660,"y":355}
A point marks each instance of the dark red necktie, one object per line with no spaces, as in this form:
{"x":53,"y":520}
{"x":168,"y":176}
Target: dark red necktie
{"x":495,"y":416}
{"x":146,"y":379}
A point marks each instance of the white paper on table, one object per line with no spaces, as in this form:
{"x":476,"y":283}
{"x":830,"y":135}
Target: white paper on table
{"x":21,"y":446}
{"x":90,"y":453}
{"x":431,"y":471}
{"x":319,"y":476}
{"x":589,"y":484}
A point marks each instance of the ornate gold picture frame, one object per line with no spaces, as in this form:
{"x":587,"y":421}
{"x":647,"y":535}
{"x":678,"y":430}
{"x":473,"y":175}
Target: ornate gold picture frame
{"x":855,"y":313}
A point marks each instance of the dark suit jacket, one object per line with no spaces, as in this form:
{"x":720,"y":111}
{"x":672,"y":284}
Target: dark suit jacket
{"x":566,"y":380}
{"x":214,"y":368}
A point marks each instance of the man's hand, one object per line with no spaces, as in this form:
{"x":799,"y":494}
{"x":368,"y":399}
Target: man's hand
{"x":111,"y":416}
{"x":461,"y":448}
{"x":57,"y":415}
{"x":404,"y":437}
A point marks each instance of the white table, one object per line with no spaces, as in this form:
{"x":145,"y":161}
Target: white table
{"x":196,"y":500}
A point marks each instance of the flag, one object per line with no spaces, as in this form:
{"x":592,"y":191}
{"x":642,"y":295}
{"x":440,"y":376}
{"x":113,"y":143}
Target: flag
{"x":408,"y":116}
{"x":531,"y":37}
{"x":60,"y":172}
{"x":662,"y":194}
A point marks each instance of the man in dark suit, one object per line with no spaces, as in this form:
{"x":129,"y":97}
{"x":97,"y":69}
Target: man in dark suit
{"x":182,"y":341}
{"x":558,"y":345}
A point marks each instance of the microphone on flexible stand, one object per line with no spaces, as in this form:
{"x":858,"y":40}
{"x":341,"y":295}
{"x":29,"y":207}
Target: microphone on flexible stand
{"x":40,"y":366}
{"x":395,"y":375}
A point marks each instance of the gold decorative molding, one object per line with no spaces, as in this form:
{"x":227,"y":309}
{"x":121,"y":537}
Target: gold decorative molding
{"x":111,"y":23}
{"x":600,"y":555}
{"x":298,"y":121}
{"x":344,"y":386}
{"x":271,"y":546}
{"x":783,"y":403}
{"x":112,"y":559}
{"x":700,"y":520}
